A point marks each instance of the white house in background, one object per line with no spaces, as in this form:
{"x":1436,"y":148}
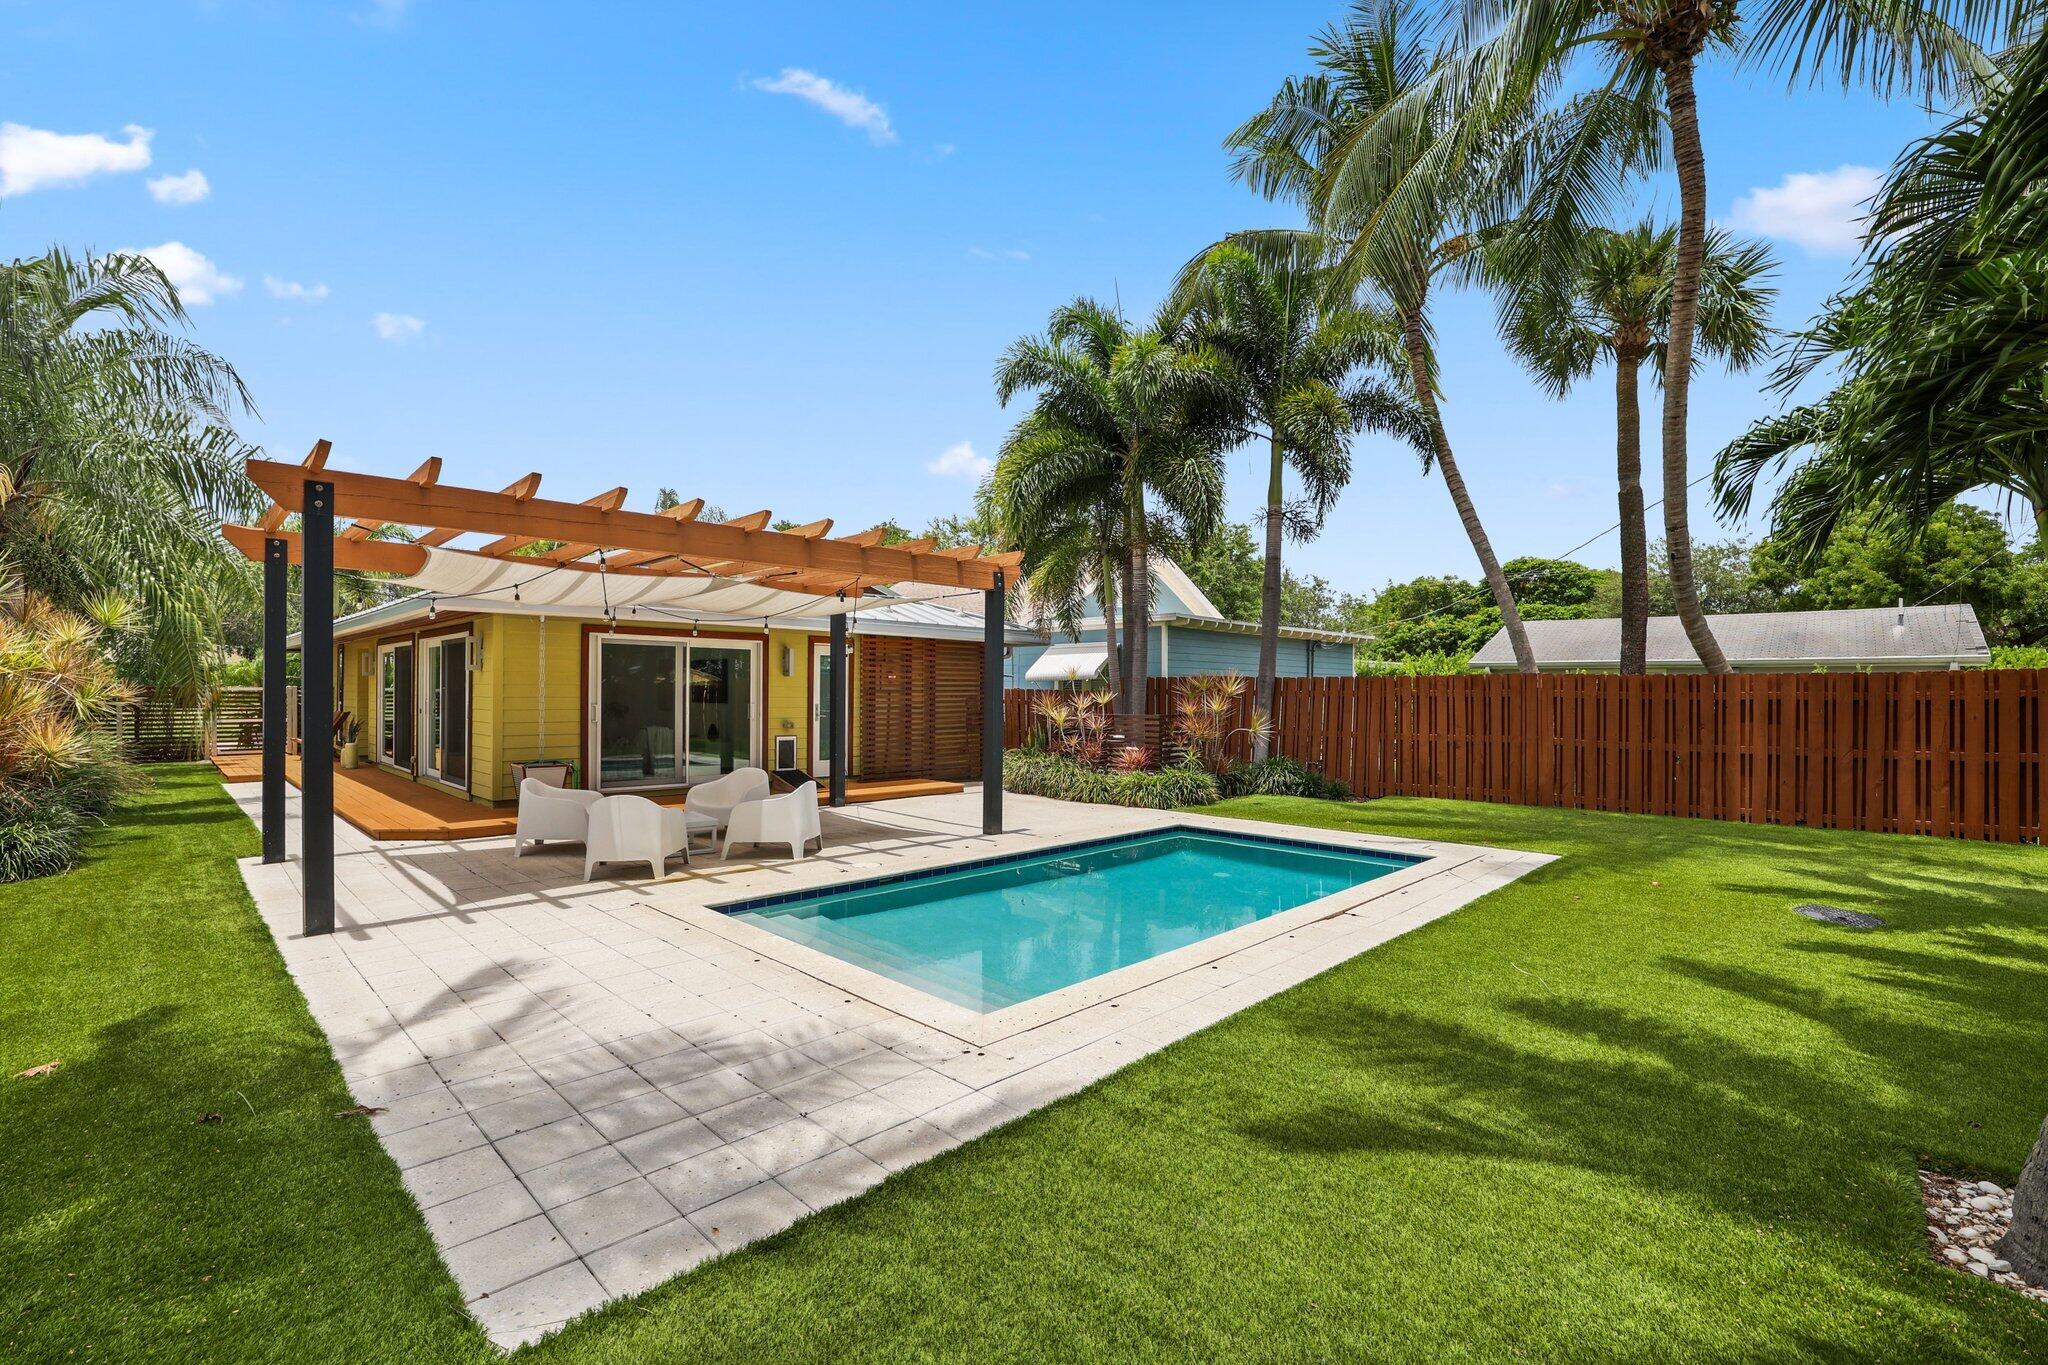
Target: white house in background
{"x":1188,"y":637}
{"x":1882,"y":639}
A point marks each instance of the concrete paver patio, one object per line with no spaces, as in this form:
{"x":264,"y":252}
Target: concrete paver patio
{"x":592,"y":1087}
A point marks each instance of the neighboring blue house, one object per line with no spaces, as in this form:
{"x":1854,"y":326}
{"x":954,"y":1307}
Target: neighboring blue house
{"x":1189,"y":637}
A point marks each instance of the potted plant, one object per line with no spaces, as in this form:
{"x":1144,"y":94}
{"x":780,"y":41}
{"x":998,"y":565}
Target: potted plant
{"x":346,"y":731}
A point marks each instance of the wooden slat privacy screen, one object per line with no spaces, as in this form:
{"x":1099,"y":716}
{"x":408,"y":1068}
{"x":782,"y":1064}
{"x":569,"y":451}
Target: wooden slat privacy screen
{"x":920,"y":709}
{"x":1952,"y":754}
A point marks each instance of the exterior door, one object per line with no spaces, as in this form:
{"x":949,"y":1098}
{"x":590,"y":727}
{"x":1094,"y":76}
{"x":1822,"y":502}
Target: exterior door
{"x":395,"y":706}
{"x":635,"y":740}
{"x":720,"y":714}
{"x":444,"y":710}
{"x":821,"y":711}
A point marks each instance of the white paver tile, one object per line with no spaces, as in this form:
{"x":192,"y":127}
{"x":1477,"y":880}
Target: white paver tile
{"x":549,"y":1143}
{"x":612,"y":1215}
{"x":486,"y":1210}
{"x":644,"y":1260}
{"x":832,"y":1178}
{"x":706,"y":1178}
{"x":748,"y":1216}
{"x":583,"y":1174}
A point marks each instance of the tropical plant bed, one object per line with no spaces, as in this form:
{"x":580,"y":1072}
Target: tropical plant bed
{"x":1965,"y":1221}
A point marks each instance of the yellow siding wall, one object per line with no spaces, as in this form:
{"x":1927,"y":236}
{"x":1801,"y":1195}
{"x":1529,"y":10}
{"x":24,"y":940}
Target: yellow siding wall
{"x":788,"y":698}
{"x":508,"y":698}
{"x":505,"y":692}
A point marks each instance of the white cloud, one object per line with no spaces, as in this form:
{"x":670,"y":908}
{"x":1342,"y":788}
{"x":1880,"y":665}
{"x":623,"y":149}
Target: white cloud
{"x":946,"y":148}
{"x":293,"y":290}
{"x":198,"y":280}
{"x":958,"y":461}
{"x":385,"y":13}
{"x":850,"y":107}
{"x":397,"y":327}
{"x":1821,"y":211}
{"x":35,"y":158}
{"x":999,"y":254}
{"x":189,"y":188}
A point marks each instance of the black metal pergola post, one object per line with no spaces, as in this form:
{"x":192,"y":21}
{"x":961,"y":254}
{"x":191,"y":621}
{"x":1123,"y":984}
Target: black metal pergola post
{"x":316,"y":691}
{"x":992,"y":623}
{"x":835,"y":710}
{"x":276,"y":585}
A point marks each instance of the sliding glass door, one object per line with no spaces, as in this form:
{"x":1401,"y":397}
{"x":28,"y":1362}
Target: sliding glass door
{"x":669,"y":712}
{"x":636,"y":714}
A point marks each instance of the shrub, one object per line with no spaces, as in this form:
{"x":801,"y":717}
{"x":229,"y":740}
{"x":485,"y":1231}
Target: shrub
{"x":60,"y":762}
{"x":1035,"y":772}
{"x":1279,"y":776}
{"x":2019,"y":656}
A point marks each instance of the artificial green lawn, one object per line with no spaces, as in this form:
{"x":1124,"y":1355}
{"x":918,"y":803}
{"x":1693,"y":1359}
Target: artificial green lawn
{"x":1630,"y":1107}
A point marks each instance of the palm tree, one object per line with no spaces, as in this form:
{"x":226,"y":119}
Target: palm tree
{"x":1129,"y":419}
{"x":117,"y":458}
{"x":1940,"y":350}
{"x":1612,"y":301}
{"x":1646,"y":55}
{"x":1373,"y":145}
{"x":1294,"y":342}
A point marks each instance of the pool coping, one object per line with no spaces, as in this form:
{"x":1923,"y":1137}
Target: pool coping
{"x":1429,"y":861}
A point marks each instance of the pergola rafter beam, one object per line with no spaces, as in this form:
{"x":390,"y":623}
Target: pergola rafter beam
{"x":610,"y":500}
{"x":453,"y":511}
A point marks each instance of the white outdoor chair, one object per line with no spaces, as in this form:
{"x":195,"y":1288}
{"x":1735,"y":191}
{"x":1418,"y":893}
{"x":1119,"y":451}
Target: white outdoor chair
{"x":550,"y":812}
{"x":716,"y":800}
{"x":790,"y":819}
{"x":632,"y":829}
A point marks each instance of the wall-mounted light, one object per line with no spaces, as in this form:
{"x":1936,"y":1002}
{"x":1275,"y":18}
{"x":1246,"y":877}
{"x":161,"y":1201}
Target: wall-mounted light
{"x":788,"y":661}
{"x":369,"y":658}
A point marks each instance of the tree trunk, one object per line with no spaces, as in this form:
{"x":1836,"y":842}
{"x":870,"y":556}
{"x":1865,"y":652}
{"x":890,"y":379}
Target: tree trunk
{"x":1269,"y":607}
{"x":1635,"y":551}
{"x":2026,"y":1244}
{"x":1138,"y":614}
{"x":1691,"y":162}
{"x":1131,"y":698}
{"x":1107,"y":597}
{"x":1447,"y":465}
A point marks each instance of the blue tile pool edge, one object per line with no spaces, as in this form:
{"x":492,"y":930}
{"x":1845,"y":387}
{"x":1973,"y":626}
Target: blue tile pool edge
{"x":782,"y":898}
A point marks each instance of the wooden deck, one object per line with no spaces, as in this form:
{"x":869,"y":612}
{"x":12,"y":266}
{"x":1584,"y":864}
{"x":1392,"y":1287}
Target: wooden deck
{"x":385,"y":805}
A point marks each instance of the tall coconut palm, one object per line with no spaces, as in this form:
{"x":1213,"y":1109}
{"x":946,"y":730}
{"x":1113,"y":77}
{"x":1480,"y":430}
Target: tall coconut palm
{"x":1374,"y":146}
{"x":1296,"y":341}
{"x":118,"y":460}
{"x":1648,"y":55}
{"x":1611,"y":301}
{"x":1130,"y":418}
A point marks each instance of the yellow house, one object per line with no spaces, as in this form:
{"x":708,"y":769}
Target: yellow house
{"x":454,"y":695}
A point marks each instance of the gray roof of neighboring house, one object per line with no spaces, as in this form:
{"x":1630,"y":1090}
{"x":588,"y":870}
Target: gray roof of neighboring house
{"x":1929,"y":636}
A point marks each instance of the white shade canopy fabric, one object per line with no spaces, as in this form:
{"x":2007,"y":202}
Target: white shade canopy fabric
{"x":1069,"y":663}
{"x":479,"y":581}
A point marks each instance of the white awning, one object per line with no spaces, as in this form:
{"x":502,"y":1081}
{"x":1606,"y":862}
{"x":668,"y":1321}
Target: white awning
{"x":479,"y":583}
{"x":1069,"y":663}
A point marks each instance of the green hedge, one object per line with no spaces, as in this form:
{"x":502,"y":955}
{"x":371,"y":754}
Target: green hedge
{"x":1035,"y":772}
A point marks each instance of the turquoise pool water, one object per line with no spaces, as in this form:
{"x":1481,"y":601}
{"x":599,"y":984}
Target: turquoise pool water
{"x":995,"y":933}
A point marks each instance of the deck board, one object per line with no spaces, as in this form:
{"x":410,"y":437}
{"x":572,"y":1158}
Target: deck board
{"x":385,"y":805}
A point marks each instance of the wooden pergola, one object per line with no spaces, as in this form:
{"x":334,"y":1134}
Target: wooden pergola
{"x":595,"y":536}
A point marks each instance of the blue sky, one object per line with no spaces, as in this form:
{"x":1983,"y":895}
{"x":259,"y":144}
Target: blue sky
{"x":768,"y":254}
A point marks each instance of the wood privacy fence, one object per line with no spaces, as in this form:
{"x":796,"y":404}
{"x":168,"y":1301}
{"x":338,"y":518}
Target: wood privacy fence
{"x":1952,"y":754}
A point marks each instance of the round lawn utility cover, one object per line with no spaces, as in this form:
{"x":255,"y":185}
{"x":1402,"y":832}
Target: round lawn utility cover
{"x":1832,"y":914}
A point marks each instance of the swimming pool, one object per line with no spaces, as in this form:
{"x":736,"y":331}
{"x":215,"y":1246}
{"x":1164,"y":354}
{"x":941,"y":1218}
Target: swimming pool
{"x":998,"y":932}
